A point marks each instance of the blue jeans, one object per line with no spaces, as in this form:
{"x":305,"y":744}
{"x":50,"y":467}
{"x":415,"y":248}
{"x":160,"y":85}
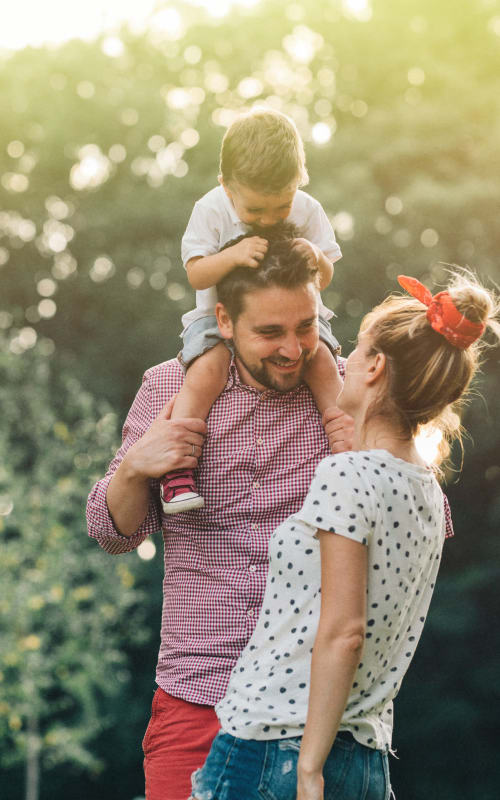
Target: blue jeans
{"x":246,"y":769}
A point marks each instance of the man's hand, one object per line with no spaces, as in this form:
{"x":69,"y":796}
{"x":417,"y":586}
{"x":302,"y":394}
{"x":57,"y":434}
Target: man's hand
{"x":339,"y":428}
{"x":249,"y":252}
{"x":166,"y":445}
{"x":310,"y":786}
{"x":308,"y":249}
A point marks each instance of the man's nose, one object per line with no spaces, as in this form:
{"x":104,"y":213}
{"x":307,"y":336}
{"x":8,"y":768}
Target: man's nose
{"x":291,"y":348}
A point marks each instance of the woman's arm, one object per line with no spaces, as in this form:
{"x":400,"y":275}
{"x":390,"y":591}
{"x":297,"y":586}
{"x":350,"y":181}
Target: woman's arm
{"x":336,"y":654}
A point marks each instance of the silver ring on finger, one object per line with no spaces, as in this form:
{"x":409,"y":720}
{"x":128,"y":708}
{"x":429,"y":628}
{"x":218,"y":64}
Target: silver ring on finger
{"x":192,"y":450}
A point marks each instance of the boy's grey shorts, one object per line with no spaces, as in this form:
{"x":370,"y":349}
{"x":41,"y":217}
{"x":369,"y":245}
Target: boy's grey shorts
{"x":203,"y":334}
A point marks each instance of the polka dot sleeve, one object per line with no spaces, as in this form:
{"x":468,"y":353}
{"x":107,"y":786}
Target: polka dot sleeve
{"x":339,"y":499}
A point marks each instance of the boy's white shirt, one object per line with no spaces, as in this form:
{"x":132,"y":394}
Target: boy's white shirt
{"x":214,"y":222}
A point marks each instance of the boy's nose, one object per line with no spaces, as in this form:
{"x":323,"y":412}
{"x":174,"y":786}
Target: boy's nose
{"x":266,"y":221}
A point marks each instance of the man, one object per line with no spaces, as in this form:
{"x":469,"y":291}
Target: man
{"x":264,"y":438}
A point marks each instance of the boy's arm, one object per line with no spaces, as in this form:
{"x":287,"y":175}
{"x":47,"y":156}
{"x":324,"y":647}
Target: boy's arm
{"x":319,"y":259}
{"x":206,"y":271}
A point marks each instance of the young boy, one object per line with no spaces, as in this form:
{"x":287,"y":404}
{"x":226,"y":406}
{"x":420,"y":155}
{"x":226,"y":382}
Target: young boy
{"x":262,"y":165}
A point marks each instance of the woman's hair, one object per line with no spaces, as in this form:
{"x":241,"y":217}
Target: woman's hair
{"x":427,"y":377}
{"x":262,"y":150}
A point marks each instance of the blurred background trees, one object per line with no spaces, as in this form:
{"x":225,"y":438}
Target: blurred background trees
{"x":104,"y":147}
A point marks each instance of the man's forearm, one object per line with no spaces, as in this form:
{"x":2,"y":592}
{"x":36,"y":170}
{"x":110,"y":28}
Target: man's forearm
{"x":128,"y":499}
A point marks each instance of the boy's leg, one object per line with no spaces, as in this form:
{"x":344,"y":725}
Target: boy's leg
{"x":322,"y":377}
{"x":176,"y":743}
{"x":205,"y":379}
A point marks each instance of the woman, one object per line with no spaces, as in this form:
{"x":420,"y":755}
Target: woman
{"x":361,"y":556}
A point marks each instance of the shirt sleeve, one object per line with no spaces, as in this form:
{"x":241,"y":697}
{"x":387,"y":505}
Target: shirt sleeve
{"x":319,"y":231}
{"x":337,"y":502}
{"x":202,"y":235}
{"x":99,"y":521}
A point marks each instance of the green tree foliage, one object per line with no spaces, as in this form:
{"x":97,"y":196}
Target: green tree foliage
{"x":64,"y":608}
{"x":104,"y":147}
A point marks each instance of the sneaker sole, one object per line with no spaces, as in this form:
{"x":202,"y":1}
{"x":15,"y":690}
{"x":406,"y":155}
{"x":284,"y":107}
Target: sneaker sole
{"x":183,"y":505}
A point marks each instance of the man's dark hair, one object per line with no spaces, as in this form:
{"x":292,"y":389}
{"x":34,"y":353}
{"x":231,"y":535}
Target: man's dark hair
{"x":283,"y":266}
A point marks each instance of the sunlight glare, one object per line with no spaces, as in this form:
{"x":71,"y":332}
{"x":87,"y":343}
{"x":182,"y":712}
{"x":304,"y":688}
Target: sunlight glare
{"x":427,"y":443}
{"x":360,"y":9}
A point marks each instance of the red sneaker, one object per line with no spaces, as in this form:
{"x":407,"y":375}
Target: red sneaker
{"x":178,"y":492}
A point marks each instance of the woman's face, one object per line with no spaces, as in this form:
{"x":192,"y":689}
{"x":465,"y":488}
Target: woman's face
{"x":357,"y":367}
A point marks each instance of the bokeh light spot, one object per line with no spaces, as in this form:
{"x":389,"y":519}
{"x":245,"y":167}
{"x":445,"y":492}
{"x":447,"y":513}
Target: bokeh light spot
{"x":112,"y":46}
{"x":117,"y":153}
{"x":343,"y":224}
{"x":46,"y":287}
{"x":321,"y":133}
{"x":47,"y":308}
{"x":15,"y":149}
{"x":146,"y":550}
{"x":85,"y":90}
{"x":416,"y":76}
{"x":393,"y":205}
{"x":102,"y":269}
{"x":429,"y":237}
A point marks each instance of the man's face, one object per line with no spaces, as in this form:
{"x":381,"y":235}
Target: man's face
{"x":256,"y":208}
{"x":275,"y":336}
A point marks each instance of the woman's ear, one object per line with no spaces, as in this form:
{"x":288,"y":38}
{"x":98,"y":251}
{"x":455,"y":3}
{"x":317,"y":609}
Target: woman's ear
{"x":376,"y":369}
{"x":224,"y":321}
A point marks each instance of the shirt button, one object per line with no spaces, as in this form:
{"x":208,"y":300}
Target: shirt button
{"x":255,"y":526}
{"x":256,"y":485}
{"x":250,"y":612}
{"x":252,"y":567}
{"x":260,"y":441}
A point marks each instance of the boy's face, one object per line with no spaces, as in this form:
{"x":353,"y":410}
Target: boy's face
{"x":257,"y":208}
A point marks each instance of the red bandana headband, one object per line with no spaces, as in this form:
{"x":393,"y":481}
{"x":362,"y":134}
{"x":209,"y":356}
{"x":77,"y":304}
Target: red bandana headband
{"x":443,"y":315}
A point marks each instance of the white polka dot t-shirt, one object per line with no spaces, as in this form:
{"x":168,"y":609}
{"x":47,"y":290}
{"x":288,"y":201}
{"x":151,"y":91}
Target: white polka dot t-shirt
{"x":394,"y":508}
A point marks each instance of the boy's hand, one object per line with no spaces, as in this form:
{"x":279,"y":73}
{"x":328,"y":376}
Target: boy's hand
{"x":308,"y":249}
{"x":249,"y":252}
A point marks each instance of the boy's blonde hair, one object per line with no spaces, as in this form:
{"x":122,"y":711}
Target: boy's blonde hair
{"x":427,"y":377}
{"x":263,"y":151}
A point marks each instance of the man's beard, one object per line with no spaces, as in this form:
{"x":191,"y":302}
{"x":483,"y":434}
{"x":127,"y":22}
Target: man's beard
{"x":262,"y":375}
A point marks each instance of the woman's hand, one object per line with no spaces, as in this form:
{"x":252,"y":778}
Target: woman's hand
{"x":310,"y":785}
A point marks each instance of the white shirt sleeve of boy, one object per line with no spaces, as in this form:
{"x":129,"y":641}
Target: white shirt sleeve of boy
{"x":318,"y":230}
{"x":202,"y":235}
{"x":337,"y":501}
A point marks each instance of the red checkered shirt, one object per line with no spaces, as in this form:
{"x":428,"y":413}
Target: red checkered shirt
{"x":259,"y":458}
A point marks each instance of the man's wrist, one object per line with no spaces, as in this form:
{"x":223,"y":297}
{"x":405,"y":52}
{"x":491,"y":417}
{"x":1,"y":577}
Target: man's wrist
{"x":130,"y":471}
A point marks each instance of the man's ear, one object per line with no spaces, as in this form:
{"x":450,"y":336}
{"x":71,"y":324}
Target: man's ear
{"x":224,"y":321}
{"x":376,"y":370}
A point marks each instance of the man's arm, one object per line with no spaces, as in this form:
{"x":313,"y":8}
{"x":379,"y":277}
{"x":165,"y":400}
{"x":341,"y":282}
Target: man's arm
{"x":166,"y":445}
{"x":135,"y":500}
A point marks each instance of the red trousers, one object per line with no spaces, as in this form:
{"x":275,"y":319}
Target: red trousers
{"x":176,"y":742}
